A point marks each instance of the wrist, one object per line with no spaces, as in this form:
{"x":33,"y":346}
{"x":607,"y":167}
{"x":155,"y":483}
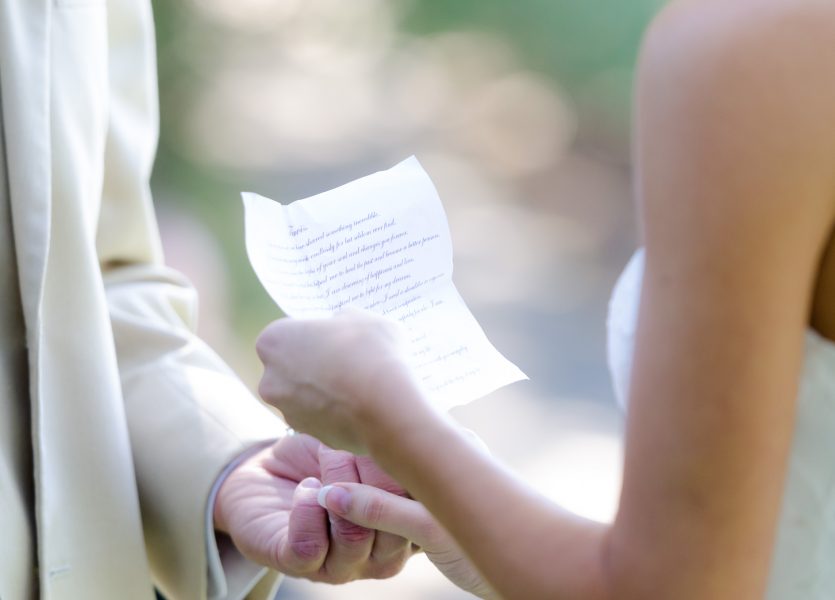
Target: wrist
{"x":391,"y":395}
{"x":399,"y":410}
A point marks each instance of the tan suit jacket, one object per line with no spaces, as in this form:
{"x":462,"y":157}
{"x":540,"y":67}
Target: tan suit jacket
{"x":132,"y":417}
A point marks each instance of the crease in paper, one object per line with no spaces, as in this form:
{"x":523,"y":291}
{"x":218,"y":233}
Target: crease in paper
{"x":380,"y":243}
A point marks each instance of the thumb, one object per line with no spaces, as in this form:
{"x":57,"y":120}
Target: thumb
{"x":377,"y":509}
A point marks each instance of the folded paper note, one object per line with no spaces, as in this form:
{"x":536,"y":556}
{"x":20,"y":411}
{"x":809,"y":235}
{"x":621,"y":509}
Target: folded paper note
{"x":380,"y":243}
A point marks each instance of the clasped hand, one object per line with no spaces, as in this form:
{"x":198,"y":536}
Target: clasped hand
{"x":268,"y":506}
{"x":360,"y":527}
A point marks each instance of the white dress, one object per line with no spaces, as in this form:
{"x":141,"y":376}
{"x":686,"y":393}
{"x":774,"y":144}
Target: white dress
{"x":803,"y":566}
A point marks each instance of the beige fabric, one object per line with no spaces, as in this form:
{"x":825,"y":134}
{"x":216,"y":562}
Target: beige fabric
{"x":17,"y":544}
{"x":128,"y":409}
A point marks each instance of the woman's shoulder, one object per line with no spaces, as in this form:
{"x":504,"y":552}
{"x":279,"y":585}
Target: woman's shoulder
{"x":783,"y":37}
{"x":745,"y":22}
{"x":745,"y":82}
{"x":735,"y":119}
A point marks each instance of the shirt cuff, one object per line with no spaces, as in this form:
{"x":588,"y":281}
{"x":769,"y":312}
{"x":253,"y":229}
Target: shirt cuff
{"x":230,"y":575}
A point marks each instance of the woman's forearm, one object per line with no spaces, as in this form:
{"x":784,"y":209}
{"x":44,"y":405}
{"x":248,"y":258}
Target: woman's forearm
{"x":523,"y":544}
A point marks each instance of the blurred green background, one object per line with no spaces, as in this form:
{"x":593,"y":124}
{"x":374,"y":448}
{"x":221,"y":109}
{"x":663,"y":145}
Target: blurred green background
{"x":520,"y":113}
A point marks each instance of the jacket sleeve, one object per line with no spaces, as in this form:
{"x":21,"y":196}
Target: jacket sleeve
{"x":188,"y":415}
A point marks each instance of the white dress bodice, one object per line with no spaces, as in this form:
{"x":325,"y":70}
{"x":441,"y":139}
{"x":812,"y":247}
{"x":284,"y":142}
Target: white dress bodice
{"x":803,"y":566}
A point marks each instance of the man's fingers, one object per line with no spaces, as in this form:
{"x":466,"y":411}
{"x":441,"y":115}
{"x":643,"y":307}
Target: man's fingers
{"x":351,"y":543}
{"x":388,"y":555}
{"x":307,"y":536}
{"x":377,"y":509}
{"x":337,"y":466}
{"x":370,"y":473}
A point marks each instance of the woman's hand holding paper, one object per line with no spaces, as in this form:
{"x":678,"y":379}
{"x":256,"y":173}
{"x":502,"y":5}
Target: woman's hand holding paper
{"x":344,"y":379}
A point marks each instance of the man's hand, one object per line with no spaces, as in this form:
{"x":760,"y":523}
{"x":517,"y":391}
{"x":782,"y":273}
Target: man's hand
{"x":268,"y":506}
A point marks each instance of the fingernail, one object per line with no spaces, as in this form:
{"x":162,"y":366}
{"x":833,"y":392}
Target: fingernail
{"x":323,"y":496}
{"x":336,"y":499}
{"x":311,"y":483}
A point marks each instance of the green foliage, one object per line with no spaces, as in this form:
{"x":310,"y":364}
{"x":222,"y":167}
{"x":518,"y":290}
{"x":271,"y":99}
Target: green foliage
{"x":571,"y":41}
{"x":564,"y":38}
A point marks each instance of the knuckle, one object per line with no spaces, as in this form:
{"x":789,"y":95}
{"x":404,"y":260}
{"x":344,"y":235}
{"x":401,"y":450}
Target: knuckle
{"x":374,"y":510}
{"x":390,"y":548}
{"x":388,"y":568}
{"x":351,"y":534}
{"x":272,"y":389}
{"x":337,"y":466}
{"x":372,"y":474}
{"x":307,"y":550}
{"x":264,"y":343}
{"x":265,"y":388}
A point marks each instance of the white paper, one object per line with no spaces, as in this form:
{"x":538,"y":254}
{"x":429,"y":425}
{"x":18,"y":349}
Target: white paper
{"x":380,"y":243}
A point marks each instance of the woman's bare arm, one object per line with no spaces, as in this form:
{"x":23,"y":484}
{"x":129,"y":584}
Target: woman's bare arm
{"x":736,"y":176}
